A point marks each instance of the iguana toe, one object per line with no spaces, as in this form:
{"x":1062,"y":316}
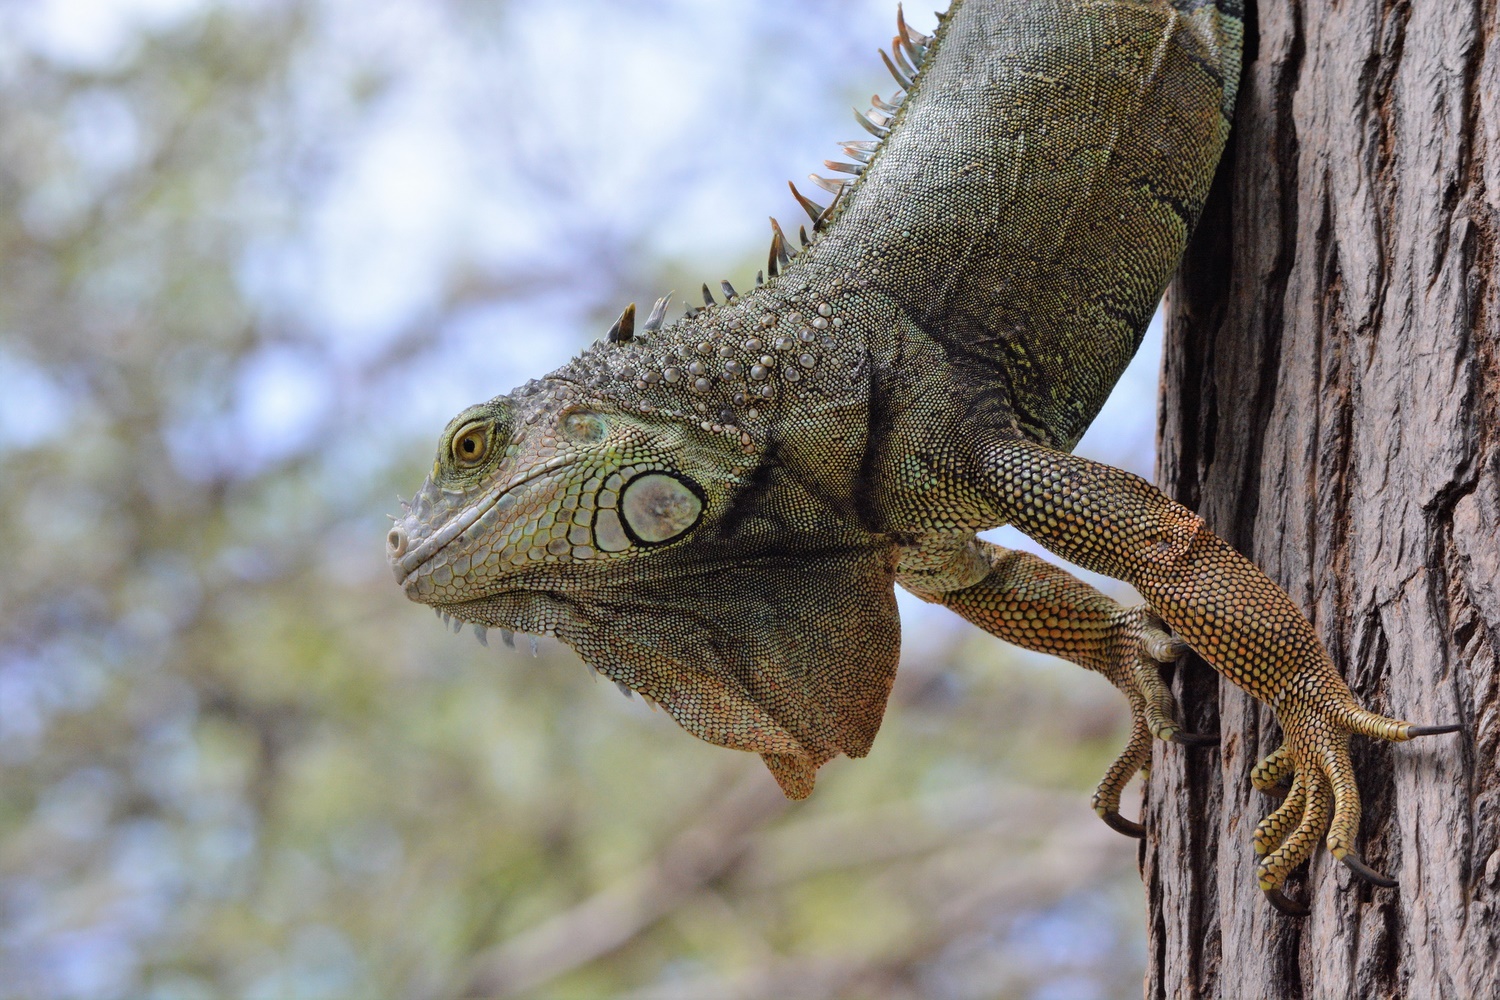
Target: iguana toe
{"x":1274,"y":773}
{"x":1120,"y":824}
{"x":1271,"y":831}
{"x":1357,"y":865}
{"x":1453,"y":727}
{"x":1132,"y":760}
{"x":1290,"y":907}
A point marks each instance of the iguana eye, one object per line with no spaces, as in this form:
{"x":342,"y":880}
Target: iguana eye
{"x":471,"y":444}
{"x":657,"y":507}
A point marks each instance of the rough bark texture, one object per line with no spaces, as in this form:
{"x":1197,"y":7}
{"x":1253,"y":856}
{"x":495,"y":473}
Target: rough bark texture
{"x":1332,"y":407}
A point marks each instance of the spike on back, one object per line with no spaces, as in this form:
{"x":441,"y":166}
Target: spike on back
{"x":914,"y":38}
{"x":834,"y":205}
{"x":872,"y":122}
{"x":833,"y":187}
{"x":658,"y":312}
{"x":813,"y":209}
{"x":901,"y":29}
{"x":903,"y":62}
{"x":908,"y":49}
{"x":778,"y":254}
{"x":904,"y":81}
{"x":624,"y":327}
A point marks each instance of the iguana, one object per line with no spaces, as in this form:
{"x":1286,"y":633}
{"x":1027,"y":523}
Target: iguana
{"x":714,"y":512}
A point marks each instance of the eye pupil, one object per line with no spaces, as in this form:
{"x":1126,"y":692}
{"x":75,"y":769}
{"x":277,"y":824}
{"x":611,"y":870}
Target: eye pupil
{"x":471,"y":446}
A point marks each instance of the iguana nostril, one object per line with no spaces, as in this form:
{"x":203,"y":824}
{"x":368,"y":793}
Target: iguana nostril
{"x":395,"y":543}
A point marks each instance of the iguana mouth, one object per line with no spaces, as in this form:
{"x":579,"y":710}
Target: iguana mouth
{"x":410,"y":565}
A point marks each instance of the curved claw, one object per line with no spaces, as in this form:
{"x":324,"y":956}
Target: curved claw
{"x":1357,"y":866}
{"x":1414,"y":731}
{"x":1195,"y":739}
{"x":1290,"y":907}
{"x":1120,"y":824}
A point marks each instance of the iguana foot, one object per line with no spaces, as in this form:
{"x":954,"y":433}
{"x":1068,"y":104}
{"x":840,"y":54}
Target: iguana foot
{"x":1234,"y":616}
{"x":1322,"y":794}
{"x":1142,"y":644}
{"x":1027,"y":601}
{"x":1280,"y":901}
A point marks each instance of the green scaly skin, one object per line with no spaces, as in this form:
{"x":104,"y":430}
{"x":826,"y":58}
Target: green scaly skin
{"x":714,"y":513}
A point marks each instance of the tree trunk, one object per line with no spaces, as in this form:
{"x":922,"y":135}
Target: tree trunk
{"x":1331,"y":405}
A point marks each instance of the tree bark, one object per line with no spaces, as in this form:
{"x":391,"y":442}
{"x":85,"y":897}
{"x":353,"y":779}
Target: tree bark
{"x":1331,"y":405}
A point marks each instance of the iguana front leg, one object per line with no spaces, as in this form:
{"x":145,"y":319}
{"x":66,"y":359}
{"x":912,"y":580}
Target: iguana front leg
{"x":1230,"y":612}
{"x":1032,"y":604}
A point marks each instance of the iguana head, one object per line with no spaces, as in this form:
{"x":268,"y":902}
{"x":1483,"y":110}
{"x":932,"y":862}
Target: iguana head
{"x":682,"y":546}
{"x":549,"y":488}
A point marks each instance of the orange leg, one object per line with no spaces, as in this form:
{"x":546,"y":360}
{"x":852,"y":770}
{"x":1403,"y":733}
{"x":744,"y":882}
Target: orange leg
{"x":1033,"y":604}
{"x":1227,"y":610}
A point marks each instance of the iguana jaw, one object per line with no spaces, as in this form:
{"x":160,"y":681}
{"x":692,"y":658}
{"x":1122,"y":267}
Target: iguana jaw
{"x":411,"y":566}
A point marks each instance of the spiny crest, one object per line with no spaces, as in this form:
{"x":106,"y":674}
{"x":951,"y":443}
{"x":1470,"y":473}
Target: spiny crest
{"x":482,"y":634}
{"x":623,"y":329}
{"x":909,"y":48}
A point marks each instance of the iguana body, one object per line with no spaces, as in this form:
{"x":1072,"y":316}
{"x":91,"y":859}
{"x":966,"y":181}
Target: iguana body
{"x":714,"y":513}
